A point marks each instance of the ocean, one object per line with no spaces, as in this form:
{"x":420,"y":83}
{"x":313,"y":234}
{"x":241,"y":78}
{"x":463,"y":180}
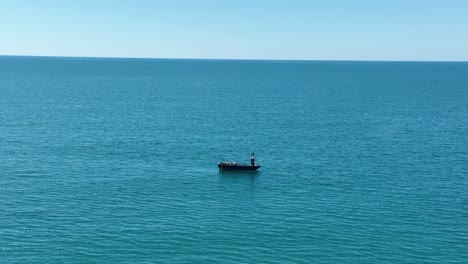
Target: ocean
{"x":115,"y":161}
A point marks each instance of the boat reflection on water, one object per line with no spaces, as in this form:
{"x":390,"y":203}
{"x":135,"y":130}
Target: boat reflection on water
{"x":240,"y":173}
{"x":239,"y":177}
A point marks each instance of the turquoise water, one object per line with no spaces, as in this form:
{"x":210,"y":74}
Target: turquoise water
{"x":114,"y":161}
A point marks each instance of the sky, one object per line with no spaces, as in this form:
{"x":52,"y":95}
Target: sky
{"x":401,"y":30}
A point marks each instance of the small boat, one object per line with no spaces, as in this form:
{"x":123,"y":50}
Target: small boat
{"x":233,"y":166}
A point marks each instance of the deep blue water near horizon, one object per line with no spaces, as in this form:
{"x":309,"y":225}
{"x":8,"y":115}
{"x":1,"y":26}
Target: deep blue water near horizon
{"x":114,"y":161}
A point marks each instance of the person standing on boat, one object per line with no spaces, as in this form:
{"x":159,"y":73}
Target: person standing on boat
{"x":252,"y":159}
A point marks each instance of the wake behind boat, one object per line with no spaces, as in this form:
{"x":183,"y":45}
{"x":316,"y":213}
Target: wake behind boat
{"x":233,"y":166}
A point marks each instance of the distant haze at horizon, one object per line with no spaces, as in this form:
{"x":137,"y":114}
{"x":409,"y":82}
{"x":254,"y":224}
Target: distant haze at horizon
{"x":258,"y":30}
{"x":226,"y":59}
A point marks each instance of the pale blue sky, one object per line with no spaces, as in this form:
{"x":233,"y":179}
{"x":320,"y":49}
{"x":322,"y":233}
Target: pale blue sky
{"x":250,"y":29}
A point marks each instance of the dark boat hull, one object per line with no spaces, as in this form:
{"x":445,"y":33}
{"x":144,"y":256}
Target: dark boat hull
{"x":237,"y":167}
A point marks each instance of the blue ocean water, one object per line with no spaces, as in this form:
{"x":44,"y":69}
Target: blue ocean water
{"x":114,"y":161}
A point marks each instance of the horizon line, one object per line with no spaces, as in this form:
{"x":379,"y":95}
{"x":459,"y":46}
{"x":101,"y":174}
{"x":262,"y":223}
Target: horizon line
{"x":229,"y":59}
